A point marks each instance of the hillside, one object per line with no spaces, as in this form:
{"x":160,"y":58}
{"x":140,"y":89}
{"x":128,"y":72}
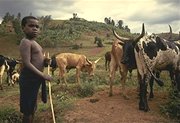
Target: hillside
{"x":60,"y":34}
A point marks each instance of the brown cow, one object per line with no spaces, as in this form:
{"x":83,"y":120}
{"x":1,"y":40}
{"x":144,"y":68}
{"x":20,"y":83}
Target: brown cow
{"x":116,"y":63}
{"x":79,"y":62}
{"x":107,"y":57}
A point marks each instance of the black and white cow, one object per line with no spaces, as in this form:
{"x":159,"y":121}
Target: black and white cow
{"x":8,"y":65}
{"x":152,"y":54}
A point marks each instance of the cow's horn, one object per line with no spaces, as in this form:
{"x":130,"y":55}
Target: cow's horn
{"x":44,"y":54}
{"x":119,"y":37}
{"x":142,"y":34}
{"x":97,"y":60}
{"x":170,"y":32}
{"x":88,"y":61}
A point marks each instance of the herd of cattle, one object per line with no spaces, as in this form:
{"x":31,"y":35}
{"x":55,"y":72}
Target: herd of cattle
{"x":149,"y":54}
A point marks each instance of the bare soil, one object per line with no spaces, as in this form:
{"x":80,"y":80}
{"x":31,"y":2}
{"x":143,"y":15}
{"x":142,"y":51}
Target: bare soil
{"x":100,"y":108}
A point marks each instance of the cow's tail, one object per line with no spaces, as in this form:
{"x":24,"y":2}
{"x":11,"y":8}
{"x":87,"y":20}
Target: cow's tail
{"x":159,"y":81}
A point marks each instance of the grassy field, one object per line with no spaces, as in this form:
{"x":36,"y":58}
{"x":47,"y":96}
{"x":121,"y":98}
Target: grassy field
{"x":64,"y":97}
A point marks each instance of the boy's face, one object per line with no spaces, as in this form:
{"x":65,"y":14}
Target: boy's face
{"x":31,"y":29}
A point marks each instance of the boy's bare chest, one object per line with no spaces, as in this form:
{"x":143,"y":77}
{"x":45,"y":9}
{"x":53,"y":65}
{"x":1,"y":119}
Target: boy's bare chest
{"x":36,"y":48}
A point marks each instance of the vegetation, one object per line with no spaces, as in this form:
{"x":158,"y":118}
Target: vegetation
{"x":172,"y":107}
{"x":8,"y":114}
{"x":80,"y":35}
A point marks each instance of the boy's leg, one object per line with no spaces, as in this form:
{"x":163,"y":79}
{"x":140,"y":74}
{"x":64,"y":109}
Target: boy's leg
{"x":27,"y":119}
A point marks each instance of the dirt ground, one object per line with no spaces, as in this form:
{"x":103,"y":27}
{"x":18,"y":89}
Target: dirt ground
{"x":100,"y":108}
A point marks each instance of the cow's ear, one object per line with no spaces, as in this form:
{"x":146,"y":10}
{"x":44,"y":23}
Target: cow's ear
{"x":97,"y":60}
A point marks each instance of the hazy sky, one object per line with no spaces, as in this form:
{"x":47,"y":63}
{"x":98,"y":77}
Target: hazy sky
{"x":155,"y":14}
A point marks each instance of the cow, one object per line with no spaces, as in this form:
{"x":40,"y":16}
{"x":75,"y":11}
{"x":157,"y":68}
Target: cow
{"x":116,"y":64}
{"x":15,"y":77}
{"x":80,"y":62}
{"x":107,"y":57}
{"x":8,"y":65}
{"x":152,"y":54}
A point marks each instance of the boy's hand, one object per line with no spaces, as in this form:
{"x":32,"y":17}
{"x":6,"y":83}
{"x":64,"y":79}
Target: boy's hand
{"x":48,"y":77}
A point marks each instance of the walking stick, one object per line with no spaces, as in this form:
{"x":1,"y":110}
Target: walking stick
{"x":50,"y":94}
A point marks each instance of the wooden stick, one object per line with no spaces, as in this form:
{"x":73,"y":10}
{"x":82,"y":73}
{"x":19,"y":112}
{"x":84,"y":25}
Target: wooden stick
{"x":50,"y":94}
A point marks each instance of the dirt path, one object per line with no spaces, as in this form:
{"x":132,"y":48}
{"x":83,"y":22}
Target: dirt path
{"x":101,"y":108}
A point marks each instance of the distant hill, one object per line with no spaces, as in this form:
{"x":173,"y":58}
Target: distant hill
{"x":67,"y":33}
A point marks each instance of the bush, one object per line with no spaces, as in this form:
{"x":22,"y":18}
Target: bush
{"x":9,"y":115}
{"x":172,"y":107}
{"x":86,"y":89}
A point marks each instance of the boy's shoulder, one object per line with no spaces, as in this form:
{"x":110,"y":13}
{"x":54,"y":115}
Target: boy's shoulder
{"x":25,"y":41}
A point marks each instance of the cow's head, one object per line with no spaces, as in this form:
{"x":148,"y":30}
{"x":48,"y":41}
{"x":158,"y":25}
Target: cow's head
{"x":53,"y":64}
{"x":12,"y":64}
{"x":15,"y":77}
{"x":90,"y":66}
{"x":128,"y":48}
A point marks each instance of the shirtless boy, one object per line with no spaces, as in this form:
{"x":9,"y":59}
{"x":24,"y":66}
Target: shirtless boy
{"x":32,"y":75}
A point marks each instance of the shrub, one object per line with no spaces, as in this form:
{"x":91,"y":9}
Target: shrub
{"x":172,"y":107}
{"x":86,"y":89}
{"x":9,"y":115}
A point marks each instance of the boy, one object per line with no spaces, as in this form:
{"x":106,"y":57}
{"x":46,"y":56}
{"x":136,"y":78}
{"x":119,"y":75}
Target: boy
{"x":31,"y":76}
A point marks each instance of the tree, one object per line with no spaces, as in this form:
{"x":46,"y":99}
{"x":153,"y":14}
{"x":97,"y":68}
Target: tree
{"x":127,"y":28}
{"x":98,"y":41}
{"x":7,"y":18}
{"x":74,"y":15}
{"x":106,"y":20}
{"x":45,"y":21}
{"x":19,"y":16}
{"x":120,"y":24}
{"x":112,"y":22}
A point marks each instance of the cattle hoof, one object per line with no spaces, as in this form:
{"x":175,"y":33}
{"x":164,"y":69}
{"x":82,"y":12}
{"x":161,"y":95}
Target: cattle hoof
{"x":126,"y":97}
{"x":110,"y":94}
{"x":146,"y":109}
{"x":151,"y":97}
{"x":141,"y":107}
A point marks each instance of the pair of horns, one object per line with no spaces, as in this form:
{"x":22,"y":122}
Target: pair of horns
{"x":123,"y":39}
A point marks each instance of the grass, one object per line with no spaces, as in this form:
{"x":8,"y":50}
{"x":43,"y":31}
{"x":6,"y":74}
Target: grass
{"x":63,"y":97}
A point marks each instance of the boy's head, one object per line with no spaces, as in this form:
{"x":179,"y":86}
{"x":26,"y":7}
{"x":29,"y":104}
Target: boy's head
{"x":30,"y":26}
{"x":25,"y":20}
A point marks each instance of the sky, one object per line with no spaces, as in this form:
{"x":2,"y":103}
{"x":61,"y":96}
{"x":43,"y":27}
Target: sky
{"x":155,"y":14}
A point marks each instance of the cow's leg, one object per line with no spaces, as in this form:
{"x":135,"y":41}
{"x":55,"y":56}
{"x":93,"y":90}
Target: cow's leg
{"x":62,"y":75}
{"x":177,"y":77}
{"x":1,"y":83}
{"x":109,"y":65}
{"x":111,"y":78}
{"x":1,"y":75}
{"x":151,"y":83}
{"x":143,"y":104}
{"x":8,"y":79}
{"x":78,"y":75}
{"x":123,"y":72}
{"x":173,"y":78}
{"x":106,"y":64}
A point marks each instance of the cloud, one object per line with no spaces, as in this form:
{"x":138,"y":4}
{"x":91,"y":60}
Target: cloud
{"x":154,"y":13}
{"x":37,"y":8}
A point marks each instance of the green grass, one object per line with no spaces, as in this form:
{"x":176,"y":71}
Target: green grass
{"x":63,"y":97}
